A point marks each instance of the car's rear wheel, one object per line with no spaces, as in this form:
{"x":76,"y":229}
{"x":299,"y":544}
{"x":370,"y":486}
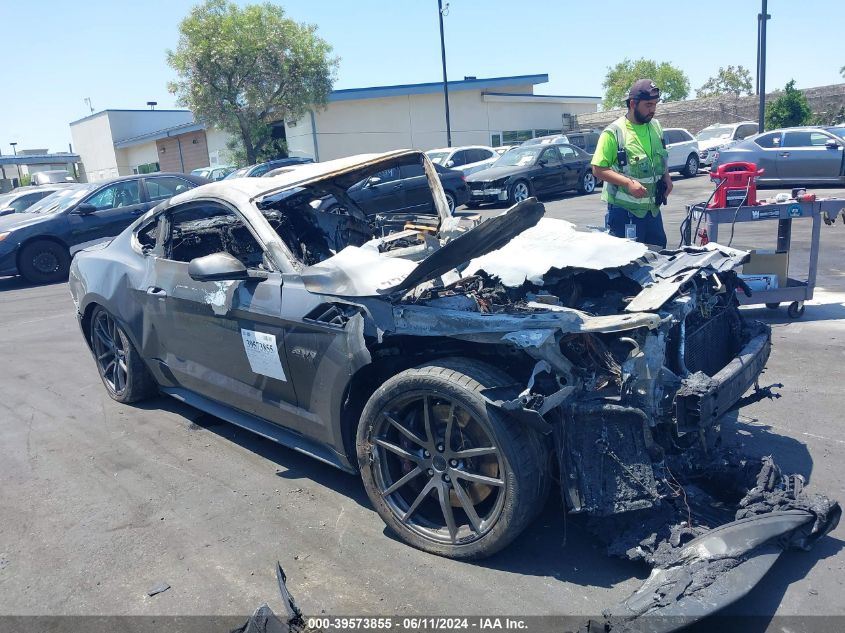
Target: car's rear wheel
{"x":691,"y":167}
{"x":473,"y":205}
{"x":450,"y":200}
{"x":446,"y":472}
{"x":519,"y":191}
{"x":587,"y":183}
{"x":44,"y":262}
{"x":121,"y":369}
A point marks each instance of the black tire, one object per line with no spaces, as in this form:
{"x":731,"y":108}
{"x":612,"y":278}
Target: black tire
{"x":126,"y":381}
{"x":773,"y":306}
{"x":587,"y":182}
{"x":511,"y":460}
{"x":44,"y":262}
{"x":473,"y":205}
{"x":691,"y":166}
{"x":450,"y":200}
{"x":795,"y":309}
{"x":519,"y":191}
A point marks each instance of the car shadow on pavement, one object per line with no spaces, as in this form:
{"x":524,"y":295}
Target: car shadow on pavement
{"x":292,"y":464}
{"x":19,"y":283}
{"x":812,"y":312}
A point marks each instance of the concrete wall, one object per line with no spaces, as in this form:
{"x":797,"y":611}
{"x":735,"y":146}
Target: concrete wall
{"x":129,"y":158}
{"x":218,"y":153}
{"x":92,"y":140}
{"x":418,"y":121}
{"x":696,"y":114}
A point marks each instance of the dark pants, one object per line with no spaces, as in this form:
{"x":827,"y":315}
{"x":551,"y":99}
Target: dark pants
{"x":649,"y":229}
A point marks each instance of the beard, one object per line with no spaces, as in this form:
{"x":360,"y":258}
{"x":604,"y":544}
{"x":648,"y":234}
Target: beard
{"x":642,"y":118}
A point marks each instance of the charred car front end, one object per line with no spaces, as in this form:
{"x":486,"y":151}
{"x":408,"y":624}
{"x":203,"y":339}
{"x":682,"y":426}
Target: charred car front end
{"x":460,"y":367}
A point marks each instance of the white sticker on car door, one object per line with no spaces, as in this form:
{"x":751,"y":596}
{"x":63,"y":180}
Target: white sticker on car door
{"x":263,"y":354}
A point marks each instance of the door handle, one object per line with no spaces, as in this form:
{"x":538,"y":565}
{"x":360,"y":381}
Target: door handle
{"x":397,"y":187}
{"x":784,"y":154}
{"x":154,"y":291}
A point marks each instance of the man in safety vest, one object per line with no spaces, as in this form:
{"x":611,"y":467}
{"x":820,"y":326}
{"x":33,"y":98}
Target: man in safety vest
{"x":632,"y":161}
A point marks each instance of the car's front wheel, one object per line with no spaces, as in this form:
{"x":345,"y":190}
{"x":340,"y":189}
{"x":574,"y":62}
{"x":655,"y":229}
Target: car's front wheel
{"x":121,"y":369}
{"x":519,"y":191}
{"x":44,"y":262}
{"x":448,"y":473}
{"x":450,"y":200}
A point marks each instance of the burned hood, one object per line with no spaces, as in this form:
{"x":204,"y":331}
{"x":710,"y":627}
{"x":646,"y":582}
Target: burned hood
{"x":360,"y":272}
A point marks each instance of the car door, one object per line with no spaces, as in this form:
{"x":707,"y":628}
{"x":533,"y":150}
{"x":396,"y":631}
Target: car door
{"x":381,"y":193}
{"x":479,"y":158}
{"x":765,"y":155}
{"x":804,"y":155}
{"x":674,"y":145}
{"x":116,"y":206}
{"x":550,"y":171}
{"x":458,"y":160}
{"x":418,"y":198}
{"x":223,"y":340}
{"x":573,"y":166}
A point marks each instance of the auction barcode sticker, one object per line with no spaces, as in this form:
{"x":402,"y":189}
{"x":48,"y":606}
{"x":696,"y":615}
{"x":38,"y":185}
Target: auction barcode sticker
{"x":263,"y":354}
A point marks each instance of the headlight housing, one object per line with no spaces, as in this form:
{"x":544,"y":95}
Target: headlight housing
{"x":3,"y":236}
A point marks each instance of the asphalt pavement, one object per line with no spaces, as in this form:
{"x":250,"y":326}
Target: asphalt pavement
{"x":100,"y":501}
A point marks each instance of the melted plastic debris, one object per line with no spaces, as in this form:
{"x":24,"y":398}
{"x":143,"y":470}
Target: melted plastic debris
{"x":554,"y":244}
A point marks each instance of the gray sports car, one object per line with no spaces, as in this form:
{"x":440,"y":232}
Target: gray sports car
{"x":459,"y":369}
{"x":791,"y":156}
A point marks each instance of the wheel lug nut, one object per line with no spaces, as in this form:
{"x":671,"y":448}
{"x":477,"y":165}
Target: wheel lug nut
{"x":440,"y":447}
{"x":430,"y":472}
{"x":446,"y":478}
{"x":426,"y":453}
{"x":453,"y":462}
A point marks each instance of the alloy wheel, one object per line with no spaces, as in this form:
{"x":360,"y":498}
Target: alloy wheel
{"x":589,"y":182}
{"x":110,"y":352}
{"x":438,"y":468}
{"x":520,"y":192}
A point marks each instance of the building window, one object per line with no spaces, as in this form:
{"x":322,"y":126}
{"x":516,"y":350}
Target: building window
{"x":147,"y":168}
{"x":511,"y":137}
{"x":495,"y":140}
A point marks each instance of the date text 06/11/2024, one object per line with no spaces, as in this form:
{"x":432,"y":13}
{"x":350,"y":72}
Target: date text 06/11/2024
{"x":415,"y":623}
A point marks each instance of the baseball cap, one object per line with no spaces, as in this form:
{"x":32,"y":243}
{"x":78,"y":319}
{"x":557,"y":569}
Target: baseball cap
{"x":644,"y":89}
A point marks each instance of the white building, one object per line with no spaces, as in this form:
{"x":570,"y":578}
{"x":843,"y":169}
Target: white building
{"x":116,"y":143}
{"x":494,"y":111}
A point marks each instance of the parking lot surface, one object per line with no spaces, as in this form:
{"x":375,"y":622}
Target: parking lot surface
{"x":100,"y":501}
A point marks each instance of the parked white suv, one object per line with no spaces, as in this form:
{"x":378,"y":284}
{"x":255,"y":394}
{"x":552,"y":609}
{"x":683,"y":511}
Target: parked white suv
{"x":719,"y":135}
{"x":468,"y":159}
{"x":683,"y":151}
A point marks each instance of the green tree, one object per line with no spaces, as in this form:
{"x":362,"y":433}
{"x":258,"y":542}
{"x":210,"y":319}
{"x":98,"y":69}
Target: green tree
{"x":673,"y":83}
{"x":728,"y":81}
{"x":790,"y":108}
{"x":242,"y":69}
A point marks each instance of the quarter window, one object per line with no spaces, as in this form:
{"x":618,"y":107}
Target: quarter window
{"x":567,"y":152}
{"x":165,"y":187}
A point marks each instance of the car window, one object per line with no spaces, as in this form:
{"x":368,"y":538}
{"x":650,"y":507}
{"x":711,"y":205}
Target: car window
{"x":120,"y":194}
{"x":804,"y":138}
{"x":568,"y":153}
{"x":459,"y":158}
{"x":483,"y":154}
{"x":261,"y":170}
{"x":388,"y":175}
{"x":667,"y":137}
{"x":551,"y":156}
{"x":24,"y":202}
{"x":164,"y":187}
{"x":744,"y":131}
{"x":768,"y":140}
{"x":147,"y":234}
{"x":684,"y":136}
{"x":411,"y":171}
{"x":209,"y":228}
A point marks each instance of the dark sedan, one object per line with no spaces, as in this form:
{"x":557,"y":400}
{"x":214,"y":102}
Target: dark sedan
{"x":38,"y":244}
{"x":531,"y":170}
{"x":792,"y":156}
{"x":403,"y":190}
{"x":255,"y":171}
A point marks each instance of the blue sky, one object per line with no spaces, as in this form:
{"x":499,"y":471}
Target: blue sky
{"x":57,"y":52}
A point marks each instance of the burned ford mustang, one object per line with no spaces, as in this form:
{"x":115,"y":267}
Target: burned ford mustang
{"x":461,"y":366}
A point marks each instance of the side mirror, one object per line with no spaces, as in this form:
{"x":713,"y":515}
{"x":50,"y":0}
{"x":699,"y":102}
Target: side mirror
{"x":221,"y":267}
{"x":542,"y":162}
{"x":449,"y":163}
{"x":832,"y":144}
{"x":372,"y":181}
{"x":7,"y":211}
{"x":86,"y":209}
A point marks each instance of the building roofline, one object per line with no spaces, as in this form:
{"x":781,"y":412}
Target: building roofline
{"x":398,"y":90}
{"x":155,"y":135}
{"x":107,"y":110}
{"x":522,"y":94}
{"x":39,"y":159}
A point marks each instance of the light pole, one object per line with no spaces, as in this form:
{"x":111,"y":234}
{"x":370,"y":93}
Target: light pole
{"x":762,"y":19}
{"x":13,"y":148}
{"x":445,"y":82}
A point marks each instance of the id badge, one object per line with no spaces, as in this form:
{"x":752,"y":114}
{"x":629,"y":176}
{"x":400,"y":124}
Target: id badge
{"x":631,"y":232}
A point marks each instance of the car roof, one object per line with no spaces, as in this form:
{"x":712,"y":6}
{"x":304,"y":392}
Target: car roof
{"x":459,"y":147}
{"x":258,"y":187}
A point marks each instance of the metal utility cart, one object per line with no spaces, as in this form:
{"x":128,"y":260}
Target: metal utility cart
{"x":796,"y":291}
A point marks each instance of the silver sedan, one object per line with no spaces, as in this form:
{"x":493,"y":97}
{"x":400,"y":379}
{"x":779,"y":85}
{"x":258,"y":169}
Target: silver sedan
{"x":791,"y":156}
